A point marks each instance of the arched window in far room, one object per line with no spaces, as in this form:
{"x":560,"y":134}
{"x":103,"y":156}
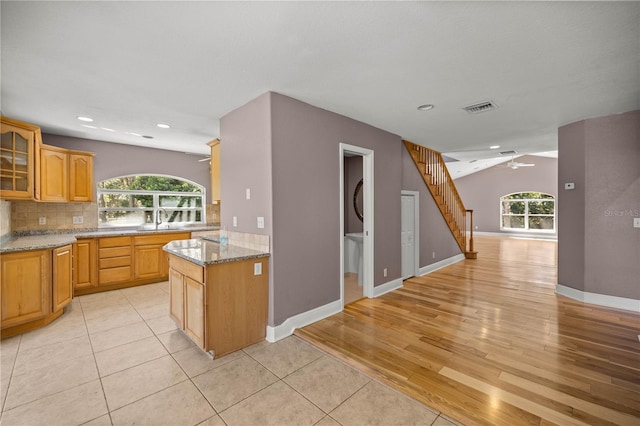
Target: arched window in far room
{"x":139,"y":200}
{"x":528,"y":212}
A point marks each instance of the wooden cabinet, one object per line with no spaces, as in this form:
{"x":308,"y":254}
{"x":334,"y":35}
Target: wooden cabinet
{"x":54,"y":174}
{"x":80,"y":176}
{"x":149,"y":258}
{"x":62,"y":284}
{"x":84,"y":264}
{"x":35,"y":286}
{"x":65,"y":175}
{"x":18,"y":144}
{"x":222,"y":307}
{"x":25,"y":283}
{"x":30,"y":170}
{"x":114,"y":260}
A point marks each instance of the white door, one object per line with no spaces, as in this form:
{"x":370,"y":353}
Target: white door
{"x":408,"y":236}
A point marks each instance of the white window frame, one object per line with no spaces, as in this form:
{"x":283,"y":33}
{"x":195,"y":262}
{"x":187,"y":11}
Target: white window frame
{"x":156,"y":201}
{"x":526,"y":213}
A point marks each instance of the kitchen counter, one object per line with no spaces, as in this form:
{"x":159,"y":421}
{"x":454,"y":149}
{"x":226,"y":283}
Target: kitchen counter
{"x":204,"y":252}
{"x":54,"y":238}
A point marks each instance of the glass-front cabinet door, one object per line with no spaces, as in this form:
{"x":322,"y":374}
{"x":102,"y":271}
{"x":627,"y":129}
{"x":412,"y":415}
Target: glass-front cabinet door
{"x":16,"y":162}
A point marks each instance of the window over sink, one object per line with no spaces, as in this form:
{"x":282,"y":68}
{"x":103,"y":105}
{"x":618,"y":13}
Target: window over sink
{"x":149,"y":200}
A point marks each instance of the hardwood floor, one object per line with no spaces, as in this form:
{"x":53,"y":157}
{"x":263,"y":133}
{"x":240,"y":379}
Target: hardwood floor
{"x":488,"y":341}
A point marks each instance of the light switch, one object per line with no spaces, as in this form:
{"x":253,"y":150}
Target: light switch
{"x":257,"y":268}
{"x":260,"y":222}
{"x":248,"y":191}
{"x":78,"y":220}
{"x":235,"y":221}
{"x":636,"y":222}
{"x":570,"y":185}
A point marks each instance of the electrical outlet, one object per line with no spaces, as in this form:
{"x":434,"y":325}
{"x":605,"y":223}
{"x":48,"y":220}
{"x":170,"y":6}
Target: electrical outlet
{"x":260,"y":222}
{"x":235,"y":221}
{"x":636,"y":222}
{"x":78,"y":220}
{"x":257,"y":268}
{"x":42,"y":220}
{"x":433,"y":255}
{"x":384,"y":272}
{"x":569,"y":185}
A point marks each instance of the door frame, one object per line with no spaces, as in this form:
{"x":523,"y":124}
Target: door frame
{"x":416,"y":230}
{"x":368,"y":221}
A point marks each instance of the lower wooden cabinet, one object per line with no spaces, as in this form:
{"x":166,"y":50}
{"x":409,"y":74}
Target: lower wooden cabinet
{"x":221,"y":307}
{"x":62,"y":284}
{"x":84,"y":264}
{"x":35,"y":286}
{"x":26,"y":286}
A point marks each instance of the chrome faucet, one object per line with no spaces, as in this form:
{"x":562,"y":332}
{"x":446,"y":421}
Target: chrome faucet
{"x":159,"y":217}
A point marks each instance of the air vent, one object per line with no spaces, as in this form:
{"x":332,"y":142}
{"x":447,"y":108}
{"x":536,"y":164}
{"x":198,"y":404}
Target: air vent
{"x":480,"y":107}
{"x":512,"y":152}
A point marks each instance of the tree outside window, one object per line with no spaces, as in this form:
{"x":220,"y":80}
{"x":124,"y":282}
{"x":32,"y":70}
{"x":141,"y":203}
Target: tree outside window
{"x":527,"y":211}
{"x":139,"y":199}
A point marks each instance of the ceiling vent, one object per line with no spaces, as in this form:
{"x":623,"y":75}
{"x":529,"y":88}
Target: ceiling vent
{"x":481,"y":107}
{"x":511,"y":152}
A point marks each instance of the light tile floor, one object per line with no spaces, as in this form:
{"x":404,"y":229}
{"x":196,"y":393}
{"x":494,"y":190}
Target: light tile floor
{"x":116,"y":358}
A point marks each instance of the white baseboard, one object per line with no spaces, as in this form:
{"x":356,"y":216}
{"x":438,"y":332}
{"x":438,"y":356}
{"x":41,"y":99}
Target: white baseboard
{"x":387,"y":287}
{"x":540,"y":236}
{"x":441,"y":264}
{"x":305,"y":318}
{"x":599,"y":299}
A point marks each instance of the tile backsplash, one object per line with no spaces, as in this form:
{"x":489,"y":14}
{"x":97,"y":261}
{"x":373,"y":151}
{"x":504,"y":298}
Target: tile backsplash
{"x":5,"y":218}
{"x":26,"y":215}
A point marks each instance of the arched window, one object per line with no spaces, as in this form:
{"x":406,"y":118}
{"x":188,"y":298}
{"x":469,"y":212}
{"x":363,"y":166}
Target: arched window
{"x":138,"y":200}
{"x":528,"y":211}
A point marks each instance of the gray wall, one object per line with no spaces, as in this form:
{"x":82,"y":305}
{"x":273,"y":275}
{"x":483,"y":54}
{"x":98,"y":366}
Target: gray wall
{"x":288,"y":152}
{"x":481,"y":191}
{"x":608,"y":168}
{"x":114,"y":159}
{"x":306,"y":181}
{"x":435,"y":235}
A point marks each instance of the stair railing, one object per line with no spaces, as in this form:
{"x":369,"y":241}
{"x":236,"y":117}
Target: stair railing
{"x":441,"y":186}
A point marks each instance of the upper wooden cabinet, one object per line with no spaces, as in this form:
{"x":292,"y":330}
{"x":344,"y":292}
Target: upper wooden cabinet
{"x":54,"y":174}
{"x":65,"y":175}
{"x":80,"y":176}
{"x":31,"y":170}
{"x":215,"y":170}
{"x":18,"y":146}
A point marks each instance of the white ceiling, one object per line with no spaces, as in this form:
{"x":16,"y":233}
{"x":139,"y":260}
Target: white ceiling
{"x":131,"y":65}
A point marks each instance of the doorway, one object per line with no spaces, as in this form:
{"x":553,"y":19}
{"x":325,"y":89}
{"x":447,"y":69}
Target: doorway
{"x":410,"y":231}
{"x":356,"y":238}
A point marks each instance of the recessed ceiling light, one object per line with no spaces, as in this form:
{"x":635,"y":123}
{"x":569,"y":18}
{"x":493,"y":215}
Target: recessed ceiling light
{"x":107,"y":129}
{"x":81,"y":118}
{"x":163,"y":126}
{"x":147,"y":137}
{"x":494,"y":147}
{"x":425,"y":107}
{"x":89,"y":127}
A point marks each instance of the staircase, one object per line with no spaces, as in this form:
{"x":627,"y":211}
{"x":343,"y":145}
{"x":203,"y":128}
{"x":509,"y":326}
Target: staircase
{"x":436,"y":176}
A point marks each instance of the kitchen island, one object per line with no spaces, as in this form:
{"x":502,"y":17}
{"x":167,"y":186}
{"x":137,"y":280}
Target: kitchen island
{"x":219,"y":293}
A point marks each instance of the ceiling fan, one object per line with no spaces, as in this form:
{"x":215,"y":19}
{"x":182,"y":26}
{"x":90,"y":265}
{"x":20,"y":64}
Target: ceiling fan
{"x":513,"y":164}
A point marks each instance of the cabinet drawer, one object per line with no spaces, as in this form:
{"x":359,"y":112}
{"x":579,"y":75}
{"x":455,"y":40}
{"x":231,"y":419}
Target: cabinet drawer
{"x":114,"y":262}
{"x":105,"y":253}
{"x":114,"y":275}
{"x":191,"y":270}
{"x":159,"y":238}
{"x":114,"y":241}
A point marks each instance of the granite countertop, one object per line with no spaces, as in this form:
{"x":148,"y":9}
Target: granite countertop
{"x":35,"y":242}
{"x":58,"y":238}
{"x":209,"y":252}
